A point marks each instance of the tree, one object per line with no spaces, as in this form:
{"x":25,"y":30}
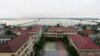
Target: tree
{"x":66,"y":40}
{"x":8,"y":32}
{"x":72,"y":51}
{"x":30,"y":27}
{"x":58,"y":25}
{"x":84,"y":27}
{"x":41,"y":43}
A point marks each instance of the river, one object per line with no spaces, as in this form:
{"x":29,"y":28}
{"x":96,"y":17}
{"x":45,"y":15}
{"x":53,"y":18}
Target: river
{"x":65,"y":22}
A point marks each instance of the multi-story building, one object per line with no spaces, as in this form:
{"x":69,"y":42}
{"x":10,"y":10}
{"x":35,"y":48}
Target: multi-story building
{"x":59,"y":32}
{"x":37,"y":32}
{"x":23,"y":45}
{"x":84,"y":45}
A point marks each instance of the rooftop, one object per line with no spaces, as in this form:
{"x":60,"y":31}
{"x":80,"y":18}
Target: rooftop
{"x":62,"y":28}
{"x":13,"y":45}
{"x":83,"y":42}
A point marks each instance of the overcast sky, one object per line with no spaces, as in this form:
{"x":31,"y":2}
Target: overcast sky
{"x":49,"y":8}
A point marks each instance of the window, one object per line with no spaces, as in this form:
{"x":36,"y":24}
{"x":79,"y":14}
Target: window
{"x":66,"y":31}
{"x":54,"y":32}
{"x":60,"y":32}
{"x":49,"y":31}
{"x":69,"y":31}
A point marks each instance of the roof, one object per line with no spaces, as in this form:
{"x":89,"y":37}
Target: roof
{"x":36,"y":29}
{"x":88,"y":31}
{"x":62,"y":28}
{"x":13,"y":45}
{"x":83,"y":42}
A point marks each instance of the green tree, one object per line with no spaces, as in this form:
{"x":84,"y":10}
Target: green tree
{"x":8,"y":32}
{"x":41,"y":43}
{"x":84,"y":27}
{"x":58,"y":25}
{"x":66,"y":40}
{"x":72,"y":51}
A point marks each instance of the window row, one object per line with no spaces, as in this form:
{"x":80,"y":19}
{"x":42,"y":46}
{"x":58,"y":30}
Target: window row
{"x":61,"y":31}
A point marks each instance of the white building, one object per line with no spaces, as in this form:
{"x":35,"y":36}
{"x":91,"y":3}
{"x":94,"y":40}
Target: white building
{"x":59,"y":32}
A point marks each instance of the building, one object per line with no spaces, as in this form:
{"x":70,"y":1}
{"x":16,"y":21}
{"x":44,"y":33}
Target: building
{"x":4,"y":39}
{"x":37,"y":32}
{"x":88,"y":32}
{"x":59,"y":32}
{"x":23,"y":45}
{"x":2,"y":25}
{"x":84,"y":45}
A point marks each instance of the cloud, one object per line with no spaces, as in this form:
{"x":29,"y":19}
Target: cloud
{"x":49,"y":8}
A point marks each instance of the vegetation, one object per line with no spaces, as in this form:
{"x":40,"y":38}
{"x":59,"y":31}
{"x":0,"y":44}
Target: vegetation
{"x":84,"y":27}
{"x":30,"y":27}
{"x":96,"y":31}
{"x":58,"y":25}
{"x":65,"y":39}
{"x":40,"y":45}
{"x":9,"y":32}
{"x":72,"y":51}
{"x":51,"y":39}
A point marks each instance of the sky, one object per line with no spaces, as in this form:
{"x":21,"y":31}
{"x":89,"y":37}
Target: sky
{"x":49,"y":8}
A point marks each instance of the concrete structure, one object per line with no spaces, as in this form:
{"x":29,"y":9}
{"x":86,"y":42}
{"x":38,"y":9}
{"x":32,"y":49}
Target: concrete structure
{"x":2,"y":25}
{"x":4,"y":39}
{"x":84,"y":45}
{"x":37,"y":32}
{"x":59,"y":32}
{"x":88,"y":32}
{"x":23,"y":45}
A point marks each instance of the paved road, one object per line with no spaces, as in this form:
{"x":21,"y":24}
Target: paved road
{"x":54,"y":49}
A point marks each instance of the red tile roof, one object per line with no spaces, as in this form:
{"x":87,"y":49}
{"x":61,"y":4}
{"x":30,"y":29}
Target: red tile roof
{"x":63,"y":28}
{"x":13,"y":45}
{"x":36,"y":29}
{"x":88,"y":31}
{"x":83,"y":42}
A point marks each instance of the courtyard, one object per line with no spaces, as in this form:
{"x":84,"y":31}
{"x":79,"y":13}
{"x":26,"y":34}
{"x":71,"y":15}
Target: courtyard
{"x":55,"y":48}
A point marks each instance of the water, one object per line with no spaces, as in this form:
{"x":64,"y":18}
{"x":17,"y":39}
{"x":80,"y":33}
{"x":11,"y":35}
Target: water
{"x":64,"y":22}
